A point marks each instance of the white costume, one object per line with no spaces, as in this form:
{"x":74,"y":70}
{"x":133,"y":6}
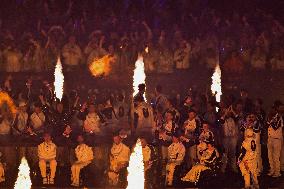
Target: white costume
{"x":72,"y":54}
{"x":119,"y":158}
{"x":190,"y":127}
{"x":275,"y":140}
{"x":92,"y":123}
{"x":47,"y":153}
{"x":37,"y":120}
{"x":230,"y":138}
{"x":207,"y":160}
{"x":145,"y":121}
{"x":176,"y":153}
{"x":84,"y":155}
{"x":182,"y":56}
{"x":247,"y":160}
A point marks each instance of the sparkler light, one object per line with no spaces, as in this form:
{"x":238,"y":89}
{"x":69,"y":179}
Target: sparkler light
{"x":23,"y":180}
{"x":216,"y":87}
{"x":139,"y":76}
{"x":101,"y":67}
{"x":135,"y":169}
{"x":59,"y":80}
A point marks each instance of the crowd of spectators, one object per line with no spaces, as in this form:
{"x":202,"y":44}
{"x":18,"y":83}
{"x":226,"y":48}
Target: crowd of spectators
{"x":172,"y":36}
{"x":178,"y":34}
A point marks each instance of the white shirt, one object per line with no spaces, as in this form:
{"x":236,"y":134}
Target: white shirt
{"x":47,"y":151}
{"x":22,"y":120}
{"x":176,"y":152}
{"x":278,"y":133}
{"x":72,"y":54}
{"x":37,"y":120}
{"x":84,"y":153}
{"x":120,"y":152}
{"x":92,"y":123}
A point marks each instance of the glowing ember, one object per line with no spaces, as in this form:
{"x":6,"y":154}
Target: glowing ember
{"x":139,"y":76}
{"x":23,"y":180}
{"x":5,"y":98}
{"x":216,"y":87}
{"x":59,"y":80}
{"x":147,"y":49}
{"x":101,"y":67}
{"x":135,"y":169}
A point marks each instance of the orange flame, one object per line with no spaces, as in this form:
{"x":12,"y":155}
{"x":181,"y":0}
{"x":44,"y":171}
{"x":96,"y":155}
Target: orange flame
{"x":101,"y":67}
{"x":5,"y":98}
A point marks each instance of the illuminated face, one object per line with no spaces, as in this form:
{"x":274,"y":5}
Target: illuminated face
{"x":37,"y":110}
{"x":116,"y":139}
{"x":169,"y":116}
{"x":205,"y":127}
{"x":251,"y":118}
{"x":47,"y":137}
{"x":191,"y":115}
{"x":143,"y":143}
{"x":92,"y":109}
{"x":175,"y":139}
{"x":80,"y":139}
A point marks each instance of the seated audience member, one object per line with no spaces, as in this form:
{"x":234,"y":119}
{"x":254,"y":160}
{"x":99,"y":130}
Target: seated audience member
{"x":119,"y":158}
{"x":84,"y":155}
{"x":176,"y":153}
{"x":207,"y":161}
{"x":47,"y":154}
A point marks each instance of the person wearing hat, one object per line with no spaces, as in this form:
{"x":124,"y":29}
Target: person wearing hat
{"x":47,"y":153}
{"x":247,"y":160}
{"x":176,"y":153}
{"x":275,"y":141}
{"x":37,"y":120}
{"x":84,"y":155}
{"x":119,"y":158}
{"x":208,"y":159}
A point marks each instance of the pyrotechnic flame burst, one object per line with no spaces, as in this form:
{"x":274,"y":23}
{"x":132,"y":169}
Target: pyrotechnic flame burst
{"x":139,"y":76}
{"x":135,"y":169}
{"x":5,"y":98}
{"x":59,"y":80}
{"x":101,"y":67}
{"x":23,"y":180}
{"x":216,"y":87}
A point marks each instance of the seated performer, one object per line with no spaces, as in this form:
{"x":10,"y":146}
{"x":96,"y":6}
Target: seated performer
{"x":47,"y":153}
{"x":84,"y":155}
{"x":176,"y":153}
{"x":207,"y":161}
{"x":149,"y":159}
{"x":248,"y":159}
{"x":119,"y":158}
